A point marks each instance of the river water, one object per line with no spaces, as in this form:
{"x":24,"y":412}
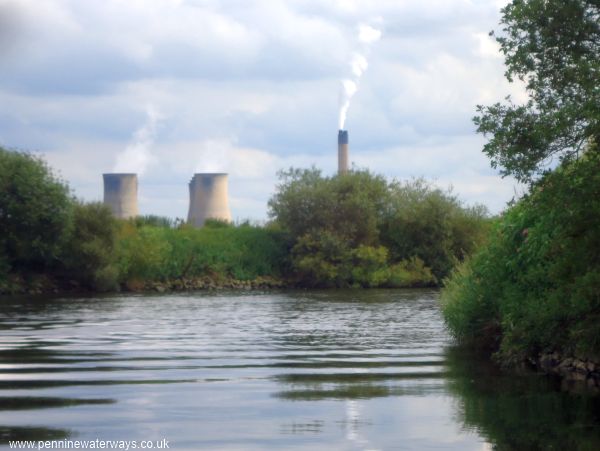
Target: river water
{"x":335,"y":370}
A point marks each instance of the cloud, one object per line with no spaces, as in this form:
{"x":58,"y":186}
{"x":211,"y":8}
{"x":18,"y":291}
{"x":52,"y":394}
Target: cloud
{"x":250,"y":87}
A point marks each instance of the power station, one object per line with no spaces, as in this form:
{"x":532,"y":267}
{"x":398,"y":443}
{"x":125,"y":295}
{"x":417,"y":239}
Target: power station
{"x":342,"y":151}
{"x":208,"y":198}
{"x":120,"y":194}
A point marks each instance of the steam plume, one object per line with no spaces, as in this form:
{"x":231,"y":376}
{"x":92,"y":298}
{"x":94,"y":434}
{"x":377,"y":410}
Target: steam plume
{"x":137,"y":155}
{"x":358,"y":65}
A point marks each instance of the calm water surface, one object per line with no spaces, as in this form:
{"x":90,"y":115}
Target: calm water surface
{"x":317,"y":370}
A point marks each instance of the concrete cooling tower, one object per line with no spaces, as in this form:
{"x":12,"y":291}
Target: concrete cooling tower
{"x":342,"y":151}
{"x":120,"y":194}
{"x":208,"y":199}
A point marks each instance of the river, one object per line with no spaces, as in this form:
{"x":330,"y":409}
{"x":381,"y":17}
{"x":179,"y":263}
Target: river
{"x":335,"y":370}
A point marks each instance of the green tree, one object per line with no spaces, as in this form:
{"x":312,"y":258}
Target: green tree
{"x":553,"y":46}
{"x":432,"y":224}
{"x":351,"y":206}
{"x":535,"y":286}
{"x":35,"y":208}
{"x":357,"y":229}
{"x":89,"y":253}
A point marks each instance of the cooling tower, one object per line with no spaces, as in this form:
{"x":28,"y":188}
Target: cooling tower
{"x":342,"y":151}
{"x":208,"y":199}
{"x":120,"y":194}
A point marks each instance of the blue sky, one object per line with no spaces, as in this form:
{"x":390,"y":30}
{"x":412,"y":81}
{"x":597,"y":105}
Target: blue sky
{"x":167,"y":88}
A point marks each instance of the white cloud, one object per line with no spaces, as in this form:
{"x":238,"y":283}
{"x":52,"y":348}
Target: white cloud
{"x":250,"y":88}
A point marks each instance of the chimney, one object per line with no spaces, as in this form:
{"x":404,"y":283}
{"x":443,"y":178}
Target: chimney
{"x":208,"y":198}
{"x":120,"y":194}
{"x":342,"y":151}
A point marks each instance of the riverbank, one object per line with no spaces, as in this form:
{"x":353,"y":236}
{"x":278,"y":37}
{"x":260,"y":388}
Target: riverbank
{"x":573,"y":371}
{"x":41,"y":284}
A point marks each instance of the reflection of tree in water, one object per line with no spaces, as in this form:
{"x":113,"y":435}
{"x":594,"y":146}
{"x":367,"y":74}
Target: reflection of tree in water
{"x":524,"y":412}
{"x":10,"y":433}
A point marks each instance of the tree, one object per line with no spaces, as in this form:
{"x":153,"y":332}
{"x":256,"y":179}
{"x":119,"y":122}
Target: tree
{"x":432,"y":224}
{"x":35,"y":208}
{"x":553,"y":46}
{"x":351,"y":205}
{"x":89,"y":253}
{"x":357,"y":229}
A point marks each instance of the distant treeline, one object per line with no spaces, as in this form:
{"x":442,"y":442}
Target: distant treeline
{"x":353,"y":230}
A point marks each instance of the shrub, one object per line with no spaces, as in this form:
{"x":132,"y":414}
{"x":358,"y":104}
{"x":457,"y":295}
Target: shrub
{"x":536,"y":285}
{"x":347,"y":230}
{"x":35,"y":209}
{"x":88,"y":255}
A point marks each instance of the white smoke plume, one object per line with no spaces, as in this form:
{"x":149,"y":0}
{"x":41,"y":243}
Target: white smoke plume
{"x":367,"y":35}
{"x":137,"y":156}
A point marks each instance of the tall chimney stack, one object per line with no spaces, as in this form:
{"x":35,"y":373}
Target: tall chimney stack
{"x":342,"y":151}
{"x":208,"y":198}
{"x":120,"y":194}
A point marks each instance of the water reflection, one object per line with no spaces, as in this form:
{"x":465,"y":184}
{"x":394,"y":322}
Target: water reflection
{"x":12,"y":433}
{"x":305,"y":370}
{"x":41,"y":402}
{"x":525,"y":412}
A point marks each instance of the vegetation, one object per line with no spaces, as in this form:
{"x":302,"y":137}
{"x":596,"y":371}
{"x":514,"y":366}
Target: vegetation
{"x":51,"y":239}
{"x":553,"y":46}
{"x":535,"y":286}
{"x":359,"y":230}
{"x":241,"y":252}
{"x":354,"y":230}
{"x":35,"y":208}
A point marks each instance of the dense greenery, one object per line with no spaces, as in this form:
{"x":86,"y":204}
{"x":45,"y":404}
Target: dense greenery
{"x":35,"y":208}
{"x":536,"y":285}
{"x":49,"y":238}
{"x":354,"y":230}
{"x":358,"y":229}
{"x":553,"y":46}
{"x":241,"y":252}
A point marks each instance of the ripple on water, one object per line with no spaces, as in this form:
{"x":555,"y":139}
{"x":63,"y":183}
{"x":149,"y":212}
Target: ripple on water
{"x":342,"y":370}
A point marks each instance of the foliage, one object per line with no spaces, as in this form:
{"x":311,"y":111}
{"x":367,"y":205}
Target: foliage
{"x":34,"y":212}
{"x":431,"y":224}
{"x":88,"y":255}
{"x":553,"y":46}
{"x":357,"y":229}
{"x":156,"y":221}
{"x":536,"y":285}
{"x":157,"y":253}
{"x":350,"y":206}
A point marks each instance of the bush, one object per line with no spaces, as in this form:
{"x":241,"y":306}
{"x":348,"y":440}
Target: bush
{"x":88,"y":255}
{"x":358,"y":230}
{"x":35,"y":208}
{"x":431,"y":224}
{"x":410,"y":273}
{"x":536,"y":285}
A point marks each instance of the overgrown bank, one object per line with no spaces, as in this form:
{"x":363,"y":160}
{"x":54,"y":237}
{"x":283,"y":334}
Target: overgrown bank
{"x":355,"y":230}
{"x":533,"y":292}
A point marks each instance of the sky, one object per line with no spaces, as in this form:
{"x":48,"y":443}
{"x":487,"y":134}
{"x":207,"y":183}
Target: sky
{"x":168,"y":88}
